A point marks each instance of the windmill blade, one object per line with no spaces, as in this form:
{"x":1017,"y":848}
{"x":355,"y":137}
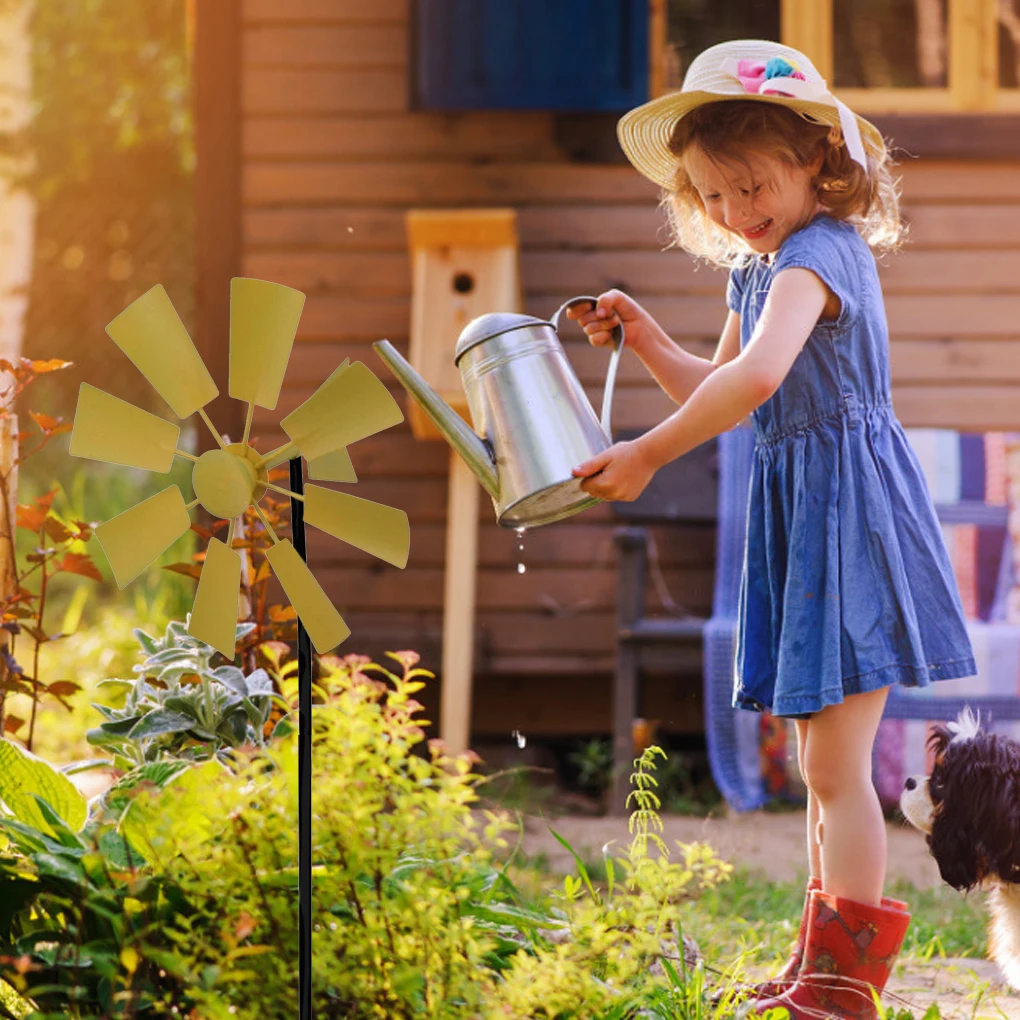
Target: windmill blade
{"x":350,"y":405}
{"x":332,"y":467}
{"x":263,"y":321}
{"x":109,"y":429}
{"x":339,"y":469}
{"x":324,"y":624}
{"x":375,"y":528}
{"x":150,"y":332}
{"x":133,"y":539}
{"x":214,"y":616}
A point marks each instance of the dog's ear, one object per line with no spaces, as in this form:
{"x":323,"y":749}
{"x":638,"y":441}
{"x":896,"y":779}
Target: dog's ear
{"x":952,"y":845}
{"x":938,"y":740}
{"x":962,"y":806}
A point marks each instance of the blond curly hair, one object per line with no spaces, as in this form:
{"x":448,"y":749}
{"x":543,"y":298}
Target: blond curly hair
{"x":728,"y":129}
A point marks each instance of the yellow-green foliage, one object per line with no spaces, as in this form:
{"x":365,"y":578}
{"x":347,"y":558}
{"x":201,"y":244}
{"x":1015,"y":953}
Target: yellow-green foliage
{"x":618,"y":942}
{"x":416,"y":914}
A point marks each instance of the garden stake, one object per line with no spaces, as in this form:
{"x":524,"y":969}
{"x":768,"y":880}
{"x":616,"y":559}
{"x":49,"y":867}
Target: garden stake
{"x":351,"y":404}
{"x":304,"y":657}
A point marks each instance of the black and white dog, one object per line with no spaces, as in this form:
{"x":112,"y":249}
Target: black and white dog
{"x":969,"y":807}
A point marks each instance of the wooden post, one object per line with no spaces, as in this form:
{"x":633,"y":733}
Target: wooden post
{"x":459,"y":605}
{"x":464,"y":264}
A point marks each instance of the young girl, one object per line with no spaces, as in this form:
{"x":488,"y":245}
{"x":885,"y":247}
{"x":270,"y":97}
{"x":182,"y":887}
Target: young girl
{"x":847,"y":587}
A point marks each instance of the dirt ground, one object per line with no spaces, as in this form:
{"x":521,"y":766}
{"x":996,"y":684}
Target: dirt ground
{"x":773,"y":844}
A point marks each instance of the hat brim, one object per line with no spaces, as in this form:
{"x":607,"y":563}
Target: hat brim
{"x":645,"y":132}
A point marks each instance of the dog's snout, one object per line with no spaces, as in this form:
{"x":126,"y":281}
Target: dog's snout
{"x":911,"y":783}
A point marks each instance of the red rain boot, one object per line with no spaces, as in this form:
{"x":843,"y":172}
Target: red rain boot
{"x":850,"y":950}
{"x":786,"y":977}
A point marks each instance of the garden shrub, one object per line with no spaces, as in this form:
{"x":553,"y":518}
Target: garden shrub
{"x":179,"y":894}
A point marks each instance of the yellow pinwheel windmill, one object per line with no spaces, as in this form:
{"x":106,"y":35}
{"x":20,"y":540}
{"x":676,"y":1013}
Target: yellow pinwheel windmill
{"x":350,"y":405}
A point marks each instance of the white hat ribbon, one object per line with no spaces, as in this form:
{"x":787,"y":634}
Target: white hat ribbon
{"x":779,"y":77}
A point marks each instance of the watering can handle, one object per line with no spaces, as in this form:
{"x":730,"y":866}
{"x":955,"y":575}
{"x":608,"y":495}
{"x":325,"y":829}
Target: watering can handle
{"x":614,"y":360}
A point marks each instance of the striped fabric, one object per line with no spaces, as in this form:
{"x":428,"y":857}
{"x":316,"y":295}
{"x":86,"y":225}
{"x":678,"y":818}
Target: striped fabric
{"x":964,"y":469}
{"x":968,"y":478}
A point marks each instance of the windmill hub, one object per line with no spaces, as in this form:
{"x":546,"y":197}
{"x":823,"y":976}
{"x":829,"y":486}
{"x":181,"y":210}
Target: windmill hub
{"x":224,"y":482}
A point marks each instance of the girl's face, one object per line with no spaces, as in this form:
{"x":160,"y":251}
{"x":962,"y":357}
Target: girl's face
{"x":763,"y":201}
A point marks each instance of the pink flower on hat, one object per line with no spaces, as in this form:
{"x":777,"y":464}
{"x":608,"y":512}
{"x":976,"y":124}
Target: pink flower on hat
{"x":753,"y":74}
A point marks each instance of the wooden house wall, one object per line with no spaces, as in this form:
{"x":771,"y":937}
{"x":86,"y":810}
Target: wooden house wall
{"x":333,"y":156}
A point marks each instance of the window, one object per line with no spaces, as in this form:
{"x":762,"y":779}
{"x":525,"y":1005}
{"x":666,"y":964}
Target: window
{"x":881,"y":56}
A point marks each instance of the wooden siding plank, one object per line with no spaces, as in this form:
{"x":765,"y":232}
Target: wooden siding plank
{"x":958,"y":226}
{"x":365,"y":90}
{"x":568,"y":545}
{"x":960,"y":181}
{"x":332,"y":317}
{"x":432,"y":183}
{"x":354,"y":46}
{"x":974,"y":408}
{"x":310,"y":363}
{"x":497,"y":632}
{"x":524,"y":183}
{"x":672,"y":272}
{"x":329,"y":11}
{"x":401,"y":136}
{"x":364,"y":227}
{"x":563,"y":592}
{"x":327,"y":228}
{"x":609,"y":228}
{"x":956,"y":360}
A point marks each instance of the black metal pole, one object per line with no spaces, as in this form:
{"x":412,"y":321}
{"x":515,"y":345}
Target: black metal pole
{"x":304,"y":651}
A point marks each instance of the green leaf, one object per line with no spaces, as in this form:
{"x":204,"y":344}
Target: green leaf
{"x":232,"y":677}
{"x":62,"y":833}
{"x":581,"y":869}
{"x":259,"y":683}
{"x":184,"y":704}
{"x":160,"y":722}
{"x":147,"y":642}
{"x":115,"y":848}
{"x":23,"y":777}
{"x":167,"y":656}
{"x":162,"y":823}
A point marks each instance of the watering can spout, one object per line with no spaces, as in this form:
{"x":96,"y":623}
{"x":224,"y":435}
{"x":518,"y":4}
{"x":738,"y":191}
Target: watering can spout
{"x":474,"y":451}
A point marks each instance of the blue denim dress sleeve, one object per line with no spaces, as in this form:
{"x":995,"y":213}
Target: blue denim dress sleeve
{"x":735,"y":288}
{"x":847,"y":585}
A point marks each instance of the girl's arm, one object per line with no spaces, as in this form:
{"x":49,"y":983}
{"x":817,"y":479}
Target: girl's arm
{"x":726,"y":395}
{"x":678,"y":373}
{"x":795,"y":303}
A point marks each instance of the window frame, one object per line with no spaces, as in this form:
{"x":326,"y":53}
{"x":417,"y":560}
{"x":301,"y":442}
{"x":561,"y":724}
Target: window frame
{"x":807,"y":25}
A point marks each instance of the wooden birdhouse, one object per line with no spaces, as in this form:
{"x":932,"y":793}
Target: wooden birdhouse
{"x":464,"y":263}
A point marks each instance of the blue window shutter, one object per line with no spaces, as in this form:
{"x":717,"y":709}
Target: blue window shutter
{"x":571,"y":55}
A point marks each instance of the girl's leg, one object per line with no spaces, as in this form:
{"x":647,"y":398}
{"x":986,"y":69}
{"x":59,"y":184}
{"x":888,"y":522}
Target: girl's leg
{"x":837,"y":768}
{"x":814,"y":850}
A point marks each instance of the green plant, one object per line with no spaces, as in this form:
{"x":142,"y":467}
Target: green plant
{"x":58,"y":546}
{"x":75,"y":902}
{"x":182,"y":707}
{"x":593,"y":760}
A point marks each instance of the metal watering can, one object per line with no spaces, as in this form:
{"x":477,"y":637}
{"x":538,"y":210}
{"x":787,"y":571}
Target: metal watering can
{"x":535,"y":421}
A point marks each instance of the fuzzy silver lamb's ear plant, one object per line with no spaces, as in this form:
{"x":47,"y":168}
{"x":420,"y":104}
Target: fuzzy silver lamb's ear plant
{"x":180,"y":706}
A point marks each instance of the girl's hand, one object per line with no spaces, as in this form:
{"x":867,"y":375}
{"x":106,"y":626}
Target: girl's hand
{"x":620,"y":473}
{"x":614,"y":307}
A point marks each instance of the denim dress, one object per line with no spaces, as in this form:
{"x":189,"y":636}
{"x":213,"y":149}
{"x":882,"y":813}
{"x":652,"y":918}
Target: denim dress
{"x":847,"y":585}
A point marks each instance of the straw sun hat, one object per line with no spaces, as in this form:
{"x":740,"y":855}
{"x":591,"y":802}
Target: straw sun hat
{"x":754,"y":69}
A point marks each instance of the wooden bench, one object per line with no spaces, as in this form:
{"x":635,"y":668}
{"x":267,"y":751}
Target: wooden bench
{"x":683,"y":492}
